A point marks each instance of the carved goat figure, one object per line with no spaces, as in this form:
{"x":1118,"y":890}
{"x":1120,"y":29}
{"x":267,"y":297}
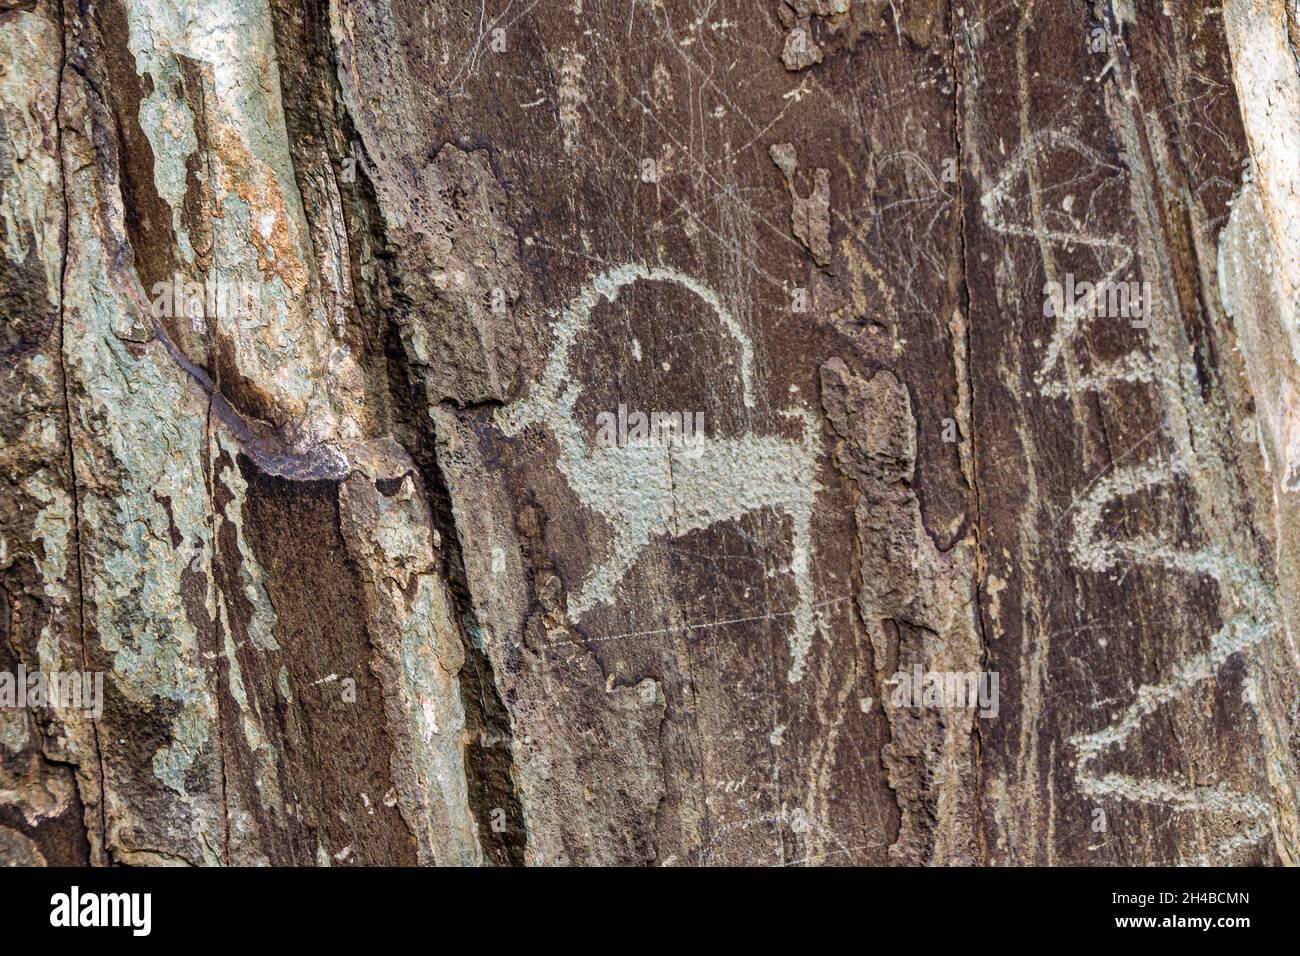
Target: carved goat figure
{"x":649,"y":491}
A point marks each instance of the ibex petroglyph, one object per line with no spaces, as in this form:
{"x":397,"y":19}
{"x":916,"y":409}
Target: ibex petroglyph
{"x":650,"y":491}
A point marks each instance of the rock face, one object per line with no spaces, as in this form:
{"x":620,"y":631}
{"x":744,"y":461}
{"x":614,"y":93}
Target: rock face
{"x":790,"y":433}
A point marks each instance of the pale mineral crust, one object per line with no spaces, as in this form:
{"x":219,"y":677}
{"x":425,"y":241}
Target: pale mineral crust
{"x":309,"y":310}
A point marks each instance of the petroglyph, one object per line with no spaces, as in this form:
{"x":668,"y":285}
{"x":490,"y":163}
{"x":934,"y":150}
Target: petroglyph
{"x":650,"y":492}
{"x":1092,"y":547}
{"x":1094,"y":551}
{"x":1114,"y":255}
{"x":342,"y":619}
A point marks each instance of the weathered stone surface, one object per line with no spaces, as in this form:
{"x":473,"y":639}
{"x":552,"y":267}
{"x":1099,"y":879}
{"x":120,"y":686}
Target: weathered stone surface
{"x":324,"y":324}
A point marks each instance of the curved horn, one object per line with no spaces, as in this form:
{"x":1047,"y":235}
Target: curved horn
{"x":552,"y":388}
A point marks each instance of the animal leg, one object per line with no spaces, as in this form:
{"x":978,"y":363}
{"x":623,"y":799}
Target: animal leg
{"x":800,"y":568}
{"x":599,"y":586}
